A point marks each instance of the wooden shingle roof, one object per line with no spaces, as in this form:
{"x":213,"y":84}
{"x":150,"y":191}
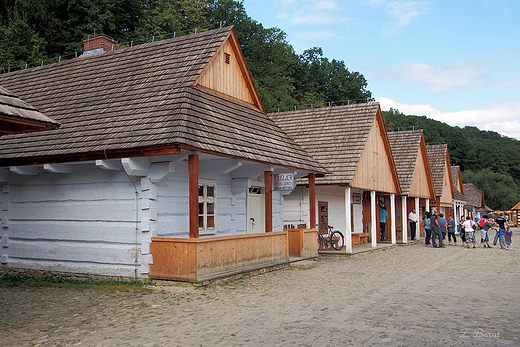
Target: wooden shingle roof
{"x":437,"y":156}
{"x":145,"y":100}
{"x":17,"y":116}
{"x":474,"y":195}
{"x":458,"y":195}
{"x":336,"y":137}
{"x":405,"y":148}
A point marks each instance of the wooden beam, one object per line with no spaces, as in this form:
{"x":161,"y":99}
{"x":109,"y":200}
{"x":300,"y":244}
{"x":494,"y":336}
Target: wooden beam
{"x":193,"y":168}
{"x":25,"y":170}
{"x":136,"y":166}
{"x":268,"y":181}
{"x":312,"y":200}
{"x":58,"y":168}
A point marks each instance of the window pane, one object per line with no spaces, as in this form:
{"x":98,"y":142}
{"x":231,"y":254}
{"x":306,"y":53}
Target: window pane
{"x":201,"y":221}
{"x":201,"y":190}
{"x":211,"y":222}
{"x":201,"y":208}
{"x":211,"y":208}
{"x":211,"y":191}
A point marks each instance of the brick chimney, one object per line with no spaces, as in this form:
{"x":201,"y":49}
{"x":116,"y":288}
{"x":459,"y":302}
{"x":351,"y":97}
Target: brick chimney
{"x":102,"y":41}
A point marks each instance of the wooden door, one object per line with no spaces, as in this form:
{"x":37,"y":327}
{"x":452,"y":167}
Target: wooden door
{"x":255,"y":210}
{"x":323,"y":217}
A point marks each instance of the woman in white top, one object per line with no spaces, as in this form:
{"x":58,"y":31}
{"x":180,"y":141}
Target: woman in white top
{"x":469,"y":232}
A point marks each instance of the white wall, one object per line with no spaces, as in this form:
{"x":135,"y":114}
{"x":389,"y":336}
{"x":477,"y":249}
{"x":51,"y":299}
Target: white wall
{"x":82,"y":222}
{"x":92,"y":221}
{"x":296,"y":207}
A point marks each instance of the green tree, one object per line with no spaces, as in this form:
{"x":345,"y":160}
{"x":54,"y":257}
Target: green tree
{"x":501,"y":192}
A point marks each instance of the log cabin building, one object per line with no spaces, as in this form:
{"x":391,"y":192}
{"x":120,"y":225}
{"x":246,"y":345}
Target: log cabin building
{"x":440,"y":168}
{"x":413,"y":170}
{"x":162,"y":167}
{"x":460,"y":202}
{"x":351,"y":142}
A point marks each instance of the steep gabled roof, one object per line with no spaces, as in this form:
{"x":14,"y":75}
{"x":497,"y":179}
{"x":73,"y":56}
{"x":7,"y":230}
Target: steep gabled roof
{"x":516,"y":207}
{"x":17,"y":116}
{"x":150,"y":99}
{"x":337,"y":136}
{"x":474,"y":195}
{"x":458,"y":189}
{"x":439,"y":160}
{"x":407,"y":148}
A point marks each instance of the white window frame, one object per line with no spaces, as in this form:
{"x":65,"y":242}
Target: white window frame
{"x":205,"y":200}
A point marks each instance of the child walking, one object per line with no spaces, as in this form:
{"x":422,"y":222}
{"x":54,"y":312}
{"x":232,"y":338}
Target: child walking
{"x":509,"y":242}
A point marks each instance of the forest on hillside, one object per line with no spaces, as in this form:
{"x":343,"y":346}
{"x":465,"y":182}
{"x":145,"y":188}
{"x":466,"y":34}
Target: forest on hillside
{"x":32,"y":31}
{"x":487,"y":159}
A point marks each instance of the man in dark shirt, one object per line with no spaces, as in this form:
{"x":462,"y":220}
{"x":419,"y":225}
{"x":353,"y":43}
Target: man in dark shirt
{"x":436,"y":229}
{"x":502,"y":225}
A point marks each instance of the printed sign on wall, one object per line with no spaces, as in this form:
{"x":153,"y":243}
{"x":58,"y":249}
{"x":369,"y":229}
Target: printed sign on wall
{"x":284,"y":181}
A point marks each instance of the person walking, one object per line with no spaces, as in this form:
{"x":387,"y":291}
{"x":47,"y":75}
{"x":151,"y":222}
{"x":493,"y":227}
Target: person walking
{"x":412,"y":220}
{"x":469,"y":232}
{"x":382,"y":222}
{"x":427,"y":229}
{"x":436,"y":230}
{"x":509,"y":242}
{"x":451,"y":230}
{"x":461,"y":231}
{"x":484,"y":232}
{"x":502,"y":225}
{"x":442,"y":223}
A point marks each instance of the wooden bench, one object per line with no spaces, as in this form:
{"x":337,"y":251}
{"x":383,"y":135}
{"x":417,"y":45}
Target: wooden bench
{"x":359,"y":238}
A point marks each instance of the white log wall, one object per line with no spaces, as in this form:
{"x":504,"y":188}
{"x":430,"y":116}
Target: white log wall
{"x":86,"y":221}
{"x":82,"y":222}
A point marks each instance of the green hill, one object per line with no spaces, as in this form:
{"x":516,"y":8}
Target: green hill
{"x":487,"y":159}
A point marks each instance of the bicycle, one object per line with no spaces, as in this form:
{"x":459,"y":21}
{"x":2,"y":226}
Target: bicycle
{"x":335,"y":239}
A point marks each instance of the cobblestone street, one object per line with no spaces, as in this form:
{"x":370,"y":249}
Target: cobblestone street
{"x":407,"y":295}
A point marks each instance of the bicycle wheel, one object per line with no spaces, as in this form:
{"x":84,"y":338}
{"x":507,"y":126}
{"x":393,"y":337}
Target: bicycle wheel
{"x":320,"y":242}
{"x":338,"y":241}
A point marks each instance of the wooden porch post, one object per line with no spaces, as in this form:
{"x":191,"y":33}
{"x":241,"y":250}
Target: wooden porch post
{"x":193,"y":168}
{"x":373,"y":227}
{"x":404,"y":217}
{"x":418,"y":228}
{"x":393,"y":226}
{"x":427,"y":205}
{"x":312,"y":200}
{"x":348,"y":222}
{"x":268,"y":181}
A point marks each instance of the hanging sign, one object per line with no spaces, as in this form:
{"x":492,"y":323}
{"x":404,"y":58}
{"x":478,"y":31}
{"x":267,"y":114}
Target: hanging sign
{"x":284,"y":181}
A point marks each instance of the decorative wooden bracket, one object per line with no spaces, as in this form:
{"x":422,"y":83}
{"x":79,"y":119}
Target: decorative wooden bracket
{"x":25,"y":170}
{"x":240,"y":185}
{"x":161,"y":172}
{"x":108,"y":165}
{"x":58,"y":168}
{"x":136,"y":166}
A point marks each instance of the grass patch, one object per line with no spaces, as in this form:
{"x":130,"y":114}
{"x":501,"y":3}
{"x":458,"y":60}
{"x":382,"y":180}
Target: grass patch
{"x":55,"y":281}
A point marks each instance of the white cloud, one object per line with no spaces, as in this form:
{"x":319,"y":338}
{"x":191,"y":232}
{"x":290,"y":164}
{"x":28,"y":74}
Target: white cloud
{"x":402,"y":12}
{"x":457,"y":77}
{"x":503,"y":119}
{"x":310,"y":12}
{"x":322,"y":35}
{"x":318,"y":18}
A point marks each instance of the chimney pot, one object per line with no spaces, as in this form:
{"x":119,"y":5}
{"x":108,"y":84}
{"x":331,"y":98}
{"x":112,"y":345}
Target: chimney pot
{"x":104,"y":42}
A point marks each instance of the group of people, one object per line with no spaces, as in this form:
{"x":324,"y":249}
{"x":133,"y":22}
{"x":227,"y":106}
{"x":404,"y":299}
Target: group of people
{"x":436,"y":228}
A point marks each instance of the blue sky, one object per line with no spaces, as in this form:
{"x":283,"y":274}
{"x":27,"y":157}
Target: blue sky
{"x":454,"y":61}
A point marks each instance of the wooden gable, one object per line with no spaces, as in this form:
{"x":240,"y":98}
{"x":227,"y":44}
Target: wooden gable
{"x":422,"y":183}
{"x":447,"y":189}
{"x":376,"y":169}
{"x":227,"y":73}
